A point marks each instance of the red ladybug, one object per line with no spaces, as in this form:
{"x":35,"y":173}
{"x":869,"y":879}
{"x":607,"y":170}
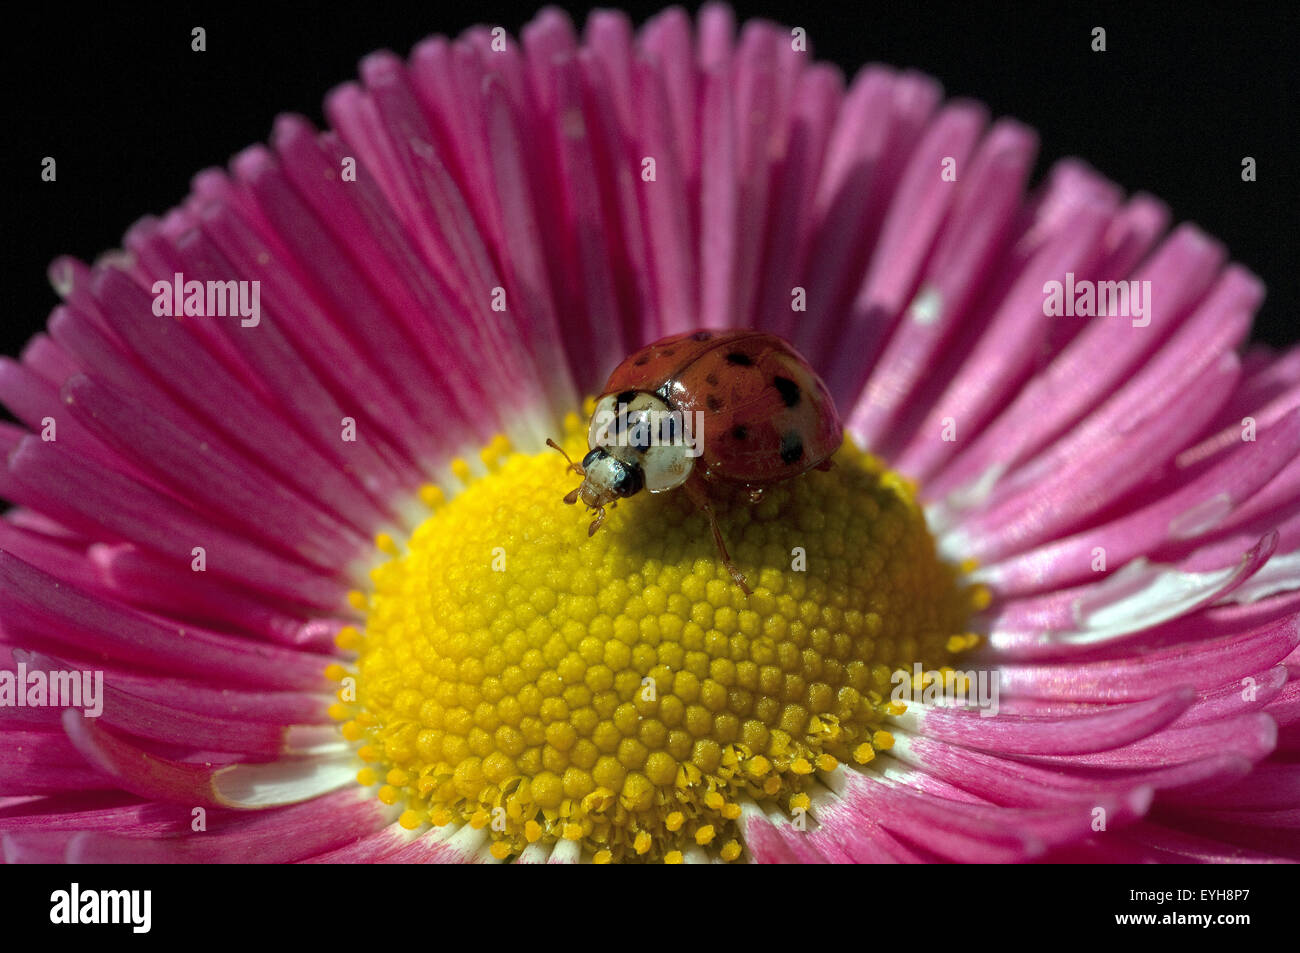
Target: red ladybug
{"x":706,"y":407}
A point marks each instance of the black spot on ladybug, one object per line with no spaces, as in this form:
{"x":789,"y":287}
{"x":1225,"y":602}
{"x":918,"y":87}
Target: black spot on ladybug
{"x":742,"y":360}
{"x":642,"y":360}
{"x":701,"y":336}
{"x":789,"y":390}
{"x":791,"y":447}
{"x":667,"y":352}
{"x":711,"y":379}
{"x":740,"y":433}
{"x":715,"y":403}
{"x":639,"y":437}
{"x":626,"y":397}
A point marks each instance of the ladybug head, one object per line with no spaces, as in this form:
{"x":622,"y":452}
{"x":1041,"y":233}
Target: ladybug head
{"x":607,"y":478}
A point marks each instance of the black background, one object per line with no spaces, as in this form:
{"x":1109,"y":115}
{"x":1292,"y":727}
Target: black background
{"x":130,"y":113}
{"x":260,"y":906}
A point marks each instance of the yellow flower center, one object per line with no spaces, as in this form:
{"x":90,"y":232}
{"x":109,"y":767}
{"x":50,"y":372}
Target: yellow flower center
{"x":620,"y":690}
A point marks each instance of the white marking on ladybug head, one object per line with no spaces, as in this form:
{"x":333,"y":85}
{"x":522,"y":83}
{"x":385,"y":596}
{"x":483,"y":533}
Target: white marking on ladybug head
{"x":666,"y":467}
{"x":600,"y":431}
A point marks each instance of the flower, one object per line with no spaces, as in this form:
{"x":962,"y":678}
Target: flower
{"x":299,"y":519}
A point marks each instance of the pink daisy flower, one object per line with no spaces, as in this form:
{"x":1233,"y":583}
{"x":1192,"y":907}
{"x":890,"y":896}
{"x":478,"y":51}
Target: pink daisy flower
{"x":287,"y":575}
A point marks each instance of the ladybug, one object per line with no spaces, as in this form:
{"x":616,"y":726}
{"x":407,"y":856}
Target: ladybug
{"x":703,"y":408}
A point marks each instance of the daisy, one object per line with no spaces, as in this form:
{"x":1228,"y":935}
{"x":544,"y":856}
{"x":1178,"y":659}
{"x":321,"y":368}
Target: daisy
{"x":1044,"y":605}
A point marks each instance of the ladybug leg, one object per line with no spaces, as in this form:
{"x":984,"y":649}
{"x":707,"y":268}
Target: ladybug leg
{"x":572,"y":496}
{"x":700,"y":498}
{"x":575,"y":467}
{"x":596,"y":523}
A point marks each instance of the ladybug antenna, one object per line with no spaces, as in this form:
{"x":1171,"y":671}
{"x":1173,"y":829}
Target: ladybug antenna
{"x":575,"y":467}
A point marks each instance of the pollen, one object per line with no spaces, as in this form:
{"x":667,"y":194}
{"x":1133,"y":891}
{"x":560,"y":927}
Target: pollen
{"x":620,"y":690}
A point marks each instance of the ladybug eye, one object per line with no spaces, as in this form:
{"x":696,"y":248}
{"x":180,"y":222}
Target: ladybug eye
{"x":628,"y":480}
{"x":592,"y":458}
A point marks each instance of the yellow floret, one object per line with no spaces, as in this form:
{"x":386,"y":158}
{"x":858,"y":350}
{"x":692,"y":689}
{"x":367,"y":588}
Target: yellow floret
{"x":620,"y":690}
